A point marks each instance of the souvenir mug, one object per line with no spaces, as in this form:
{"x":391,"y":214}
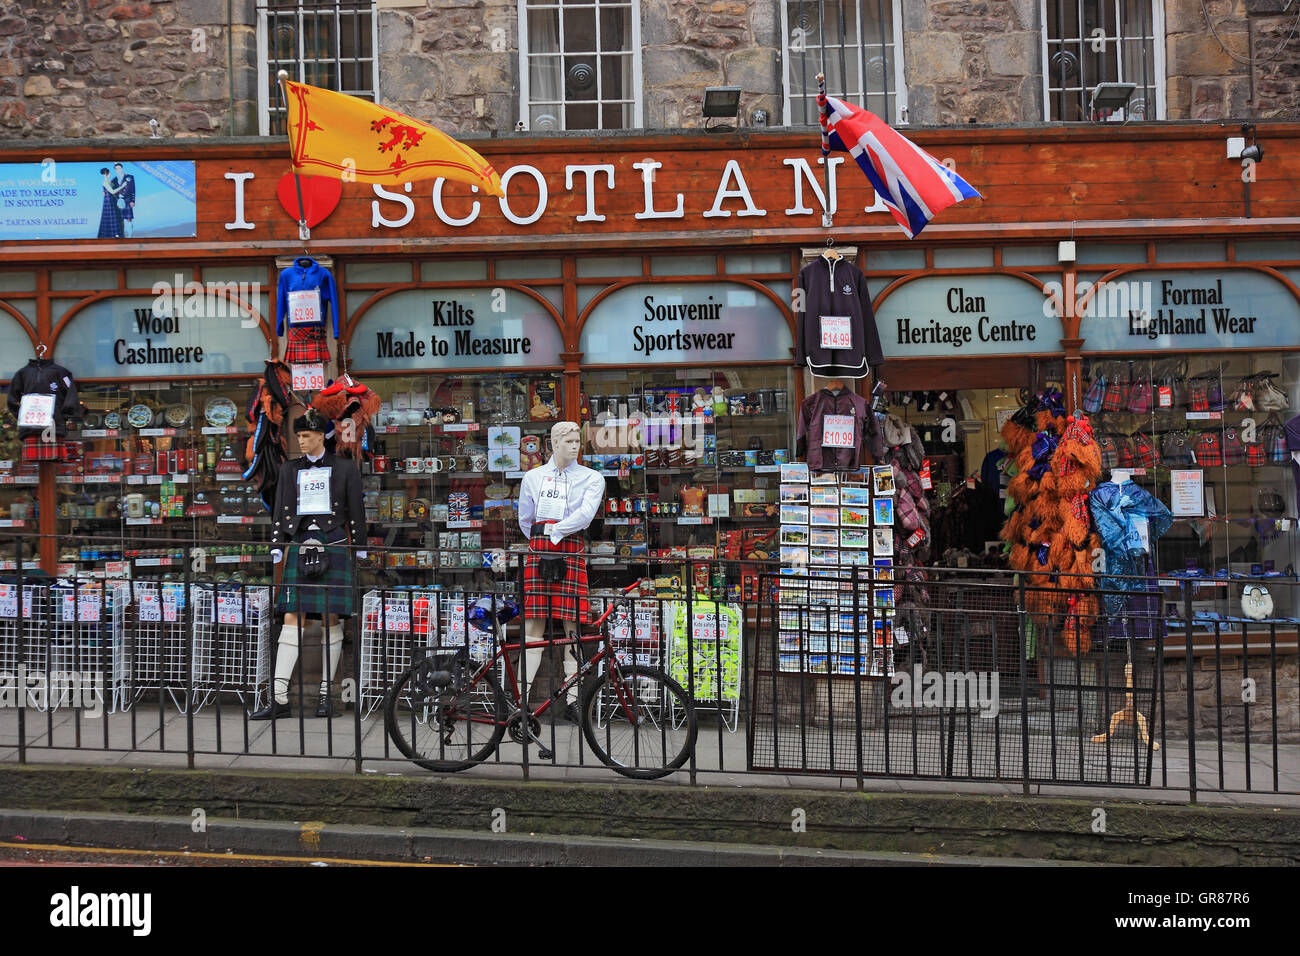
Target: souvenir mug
{"x":380,"y":463}
{"x":432,"y":465}
{"x":414,"y":466}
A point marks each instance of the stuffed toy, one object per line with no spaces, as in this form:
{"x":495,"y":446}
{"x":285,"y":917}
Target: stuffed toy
{"x":530,"y":452}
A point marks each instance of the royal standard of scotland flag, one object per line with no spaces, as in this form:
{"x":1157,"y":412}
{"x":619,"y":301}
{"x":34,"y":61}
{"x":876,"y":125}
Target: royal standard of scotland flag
{"x":912,"y":183}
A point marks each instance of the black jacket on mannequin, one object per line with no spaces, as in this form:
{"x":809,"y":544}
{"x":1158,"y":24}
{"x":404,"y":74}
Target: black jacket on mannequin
{"x":836,"y":287}
{"x":43,"y":377}
{"x":347,"y":505}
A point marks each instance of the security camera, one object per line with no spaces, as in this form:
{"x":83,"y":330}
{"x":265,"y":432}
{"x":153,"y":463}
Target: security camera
{"x":1253,"y":152}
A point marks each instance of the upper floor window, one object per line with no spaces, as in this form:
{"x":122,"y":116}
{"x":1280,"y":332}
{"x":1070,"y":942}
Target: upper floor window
{"x":580,"y":64}
{"x":1086,"y":42}
{"x":857,"y":44}
{"x":325,"y":43}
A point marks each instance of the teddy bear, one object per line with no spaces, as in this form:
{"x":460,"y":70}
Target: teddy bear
{"x":530,"y":452}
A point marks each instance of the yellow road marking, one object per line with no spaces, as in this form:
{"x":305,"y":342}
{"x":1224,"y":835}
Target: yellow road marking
{"x":210,"y":856}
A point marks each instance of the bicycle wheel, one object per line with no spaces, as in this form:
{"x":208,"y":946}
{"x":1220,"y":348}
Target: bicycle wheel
{"x":445,"y":732}
{"x":627,"y":718}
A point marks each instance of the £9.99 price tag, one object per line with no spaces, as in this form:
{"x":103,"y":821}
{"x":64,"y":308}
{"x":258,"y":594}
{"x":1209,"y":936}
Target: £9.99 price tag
{"x":304,"y":307}
{"x":836,"y":333}
{"x":36,"y":411}
{"x":837,"y":431}
{"x":230,"y":608}
{"x":307,"y":378}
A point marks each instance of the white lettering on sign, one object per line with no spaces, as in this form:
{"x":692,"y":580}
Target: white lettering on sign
{"x":837,"y":431}
{"x":36,"y":411}
{"x":441,"y":213}
{"x":239,"y":221}
{"x":304,"y":307}
{"x":590,"y":173}
{"x":308,"y":378}
{"x":504,"y":201}
{"x":741,"y":192}
{"x":836,"y":333}
{"x":378,"y":219}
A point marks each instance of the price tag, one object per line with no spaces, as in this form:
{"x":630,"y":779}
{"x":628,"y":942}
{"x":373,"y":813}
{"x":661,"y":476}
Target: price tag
{"x":230,"y":607}
{"x":836,"y":333}
{"x":553,"y":499}
{"x":149,"y":609}
{"x":304,"y":307}
{"x":88,"y":605}
{"x":926,"y":481}
{"x":8,"y":600}
{"x":837,"y":431}
{"x":314,"y":491}
{"x":169,"y":606}
{"x":397,"y":615}
{"x":117,"y":569}
{"x":308,"y":378}
{"x":36,"y":411}
{"x":1164,"y":396}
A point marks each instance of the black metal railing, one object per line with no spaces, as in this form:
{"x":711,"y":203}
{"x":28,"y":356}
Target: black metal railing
{"x":952,"y":674}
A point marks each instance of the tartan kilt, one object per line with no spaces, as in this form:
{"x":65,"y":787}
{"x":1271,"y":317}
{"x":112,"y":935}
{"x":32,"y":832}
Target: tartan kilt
{"x":36,"y":450}
{"x":306,"y":345}
{"x":331,"y":593}
{"x":565,"y":600}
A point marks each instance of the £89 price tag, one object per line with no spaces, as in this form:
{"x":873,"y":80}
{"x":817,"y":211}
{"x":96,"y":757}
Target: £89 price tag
{"x":230,"y":608}
{"x":308,"y":378}
{"x":836,"y":333}
{"x":837,"y":431}
{"x":304,"y":307}
{"x":8,"y":600}
{"x":398,"y":616}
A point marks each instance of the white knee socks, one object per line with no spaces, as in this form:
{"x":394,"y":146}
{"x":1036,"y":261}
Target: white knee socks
{"x":285,"y":661}
{"x":287,"y":658}
{"x":533,"y":660}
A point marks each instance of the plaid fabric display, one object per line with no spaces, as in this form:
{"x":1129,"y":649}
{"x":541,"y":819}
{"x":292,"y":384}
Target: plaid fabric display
{"x":1256,"y":453}
{"x":36,"y":450}
{"x":1208,"y":449}
{"x":1176,"y":448}
{"x":1243,"y":396}
{"x":1139,"y":397}
{"x":1109,"y":451}
{"x":1144,"y":452}
{"x":1117,"y":387}
{"x":1234,"y":449}
{"x":1272,"y":437}
{"x":1092,"y":399}
{"x":1124,"y":449}
{"x":1198,"y":394}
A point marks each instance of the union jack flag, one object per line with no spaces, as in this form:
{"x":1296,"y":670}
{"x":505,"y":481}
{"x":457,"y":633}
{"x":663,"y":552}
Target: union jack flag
{"x":912,"y":183}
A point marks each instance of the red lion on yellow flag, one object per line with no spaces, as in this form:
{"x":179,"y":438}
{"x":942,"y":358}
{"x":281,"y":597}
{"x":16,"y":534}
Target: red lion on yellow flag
{"x":335,"y":134}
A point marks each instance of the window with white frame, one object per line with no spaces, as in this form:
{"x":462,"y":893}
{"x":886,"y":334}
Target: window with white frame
{"x":580,"y":64}
{"x":325,"y":43}
{"x":857,"y":44}
{"x":1086,"y":42}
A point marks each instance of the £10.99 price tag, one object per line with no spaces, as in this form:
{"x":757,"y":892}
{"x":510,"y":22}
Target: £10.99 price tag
{"x":304,"y":307}
{"x":308,"y":378}
{"x":230,"y":608}
{"x":837,"y":431}
{"x":836,"y":333}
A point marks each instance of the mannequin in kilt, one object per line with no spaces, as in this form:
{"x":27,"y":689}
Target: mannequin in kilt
{"x":557,"y":503}
{"x":319,"y":512}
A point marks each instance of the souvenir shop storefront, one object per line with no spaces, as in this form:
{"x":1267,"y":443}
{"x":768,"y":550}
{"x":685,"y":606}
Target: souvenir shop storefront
{"x":656,"y":283}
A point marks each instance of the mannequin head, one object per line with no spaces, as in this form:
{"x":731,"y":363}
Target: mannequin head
{"x":310,"y":430}
{"x":566,"y":443}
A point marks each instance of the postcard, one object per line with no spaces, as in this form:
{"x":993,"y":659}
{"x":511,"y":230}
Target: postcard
{"x":823,"y":556}
{"x":855,"y":517}
{"x":824,"y":495}
{"x":794,"y":556}
{"x":824,"y":538}
{"x":794,"y":471}
{"x":794,"y":494}
{"x":882,"y":541}
{"x":855,"y":495}
{"x":883,"y":510}
{"x":827,"y":517}
{"x":794,"y":534}
{"x":794,"y":514}
{"x":855,"y":538}
{"x":882,"y":479}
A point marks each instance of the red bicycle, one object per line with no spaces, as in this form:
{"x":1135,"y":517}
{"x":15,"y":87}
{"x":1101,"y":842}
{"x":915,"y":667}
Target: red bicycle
{"x":447,"y":711}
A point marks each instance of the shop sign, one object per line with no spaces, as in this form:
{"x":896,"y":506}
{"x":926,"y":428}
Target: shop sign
{"x":960,"y":316}
{"x":670,"y":323}
{"x":106,"y":199}
{"x":1191,"y":310}
{"x":455,"y":328}
{"x":147,"y":337}
{"x":15,"y":344}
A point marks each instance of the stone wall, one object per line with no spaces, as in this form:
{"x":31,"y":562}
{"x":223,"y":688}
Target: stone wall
{"x":100,"y":68}
{"x":1228,"y":696}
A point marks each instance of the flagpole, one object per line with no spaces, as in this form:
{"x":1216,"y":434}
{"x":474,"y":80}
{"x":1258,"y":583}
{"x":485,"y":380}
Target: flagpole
{"x":824,"y":117}
{"x":304,"y":233}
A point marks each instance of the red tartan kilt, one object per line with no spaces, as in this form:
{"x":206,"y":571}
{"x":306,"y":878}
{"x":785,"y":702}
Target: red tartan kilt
{"x":36,"y":450}
{"x":306,"y":346}
{"x":565,"y":600}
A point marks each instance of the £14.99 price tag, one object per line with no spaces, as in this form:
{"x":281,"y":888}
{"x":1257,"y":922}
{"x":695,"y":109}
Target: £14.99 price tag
{"x":836,"y":333}
{"x":837,"y":431}
{"x":304,"y":307}
{"x":308,"y":378}
{"x":230,"y":608}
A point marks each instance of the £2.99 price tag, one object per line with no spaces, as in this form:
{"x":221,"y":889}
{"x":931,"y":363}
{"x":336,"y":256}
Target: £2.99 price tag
{"x":36,"y":411}
{"x":307,"y":378}
{"x":836,"y":333}
{"x":837,"y":431}
{"x":304,"y":307}
{"x":230,"y":608}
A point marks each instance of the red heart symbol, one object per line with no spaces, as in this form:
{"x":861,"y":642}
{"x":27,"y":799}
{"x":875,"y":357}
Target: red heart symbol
{"x":320,"y":197}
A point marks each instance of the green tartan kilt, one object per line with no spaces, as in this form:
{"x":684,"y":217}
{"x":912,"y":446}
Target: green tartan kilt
{"x":331,"y":593}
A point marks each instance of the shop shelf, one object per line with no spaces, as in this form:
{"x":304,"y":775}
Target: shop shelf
{"x":243,"y":519}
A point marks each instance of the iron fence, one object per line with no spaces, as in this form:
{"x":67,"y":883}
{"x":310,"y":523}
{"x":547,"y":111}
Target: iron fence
{"x":940,"y":674}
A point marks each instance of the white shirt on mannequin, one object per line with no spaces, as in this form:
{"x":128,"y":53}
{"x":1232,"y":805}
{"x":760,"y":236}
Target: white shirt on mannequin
{"x":585,"y":487}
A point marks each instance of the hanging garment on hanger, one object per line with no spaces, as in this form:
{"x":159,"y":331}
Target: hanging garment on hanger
{"x":1128,"y":520}
{"x":307,"y":302}
{"x":41,"y":376}
{"x":812,"y":429}
{"x":836,"y":335}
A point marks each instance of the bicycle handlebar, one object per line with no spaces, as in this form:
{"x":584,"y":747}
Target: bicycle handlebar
{"x":613,"y":604}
